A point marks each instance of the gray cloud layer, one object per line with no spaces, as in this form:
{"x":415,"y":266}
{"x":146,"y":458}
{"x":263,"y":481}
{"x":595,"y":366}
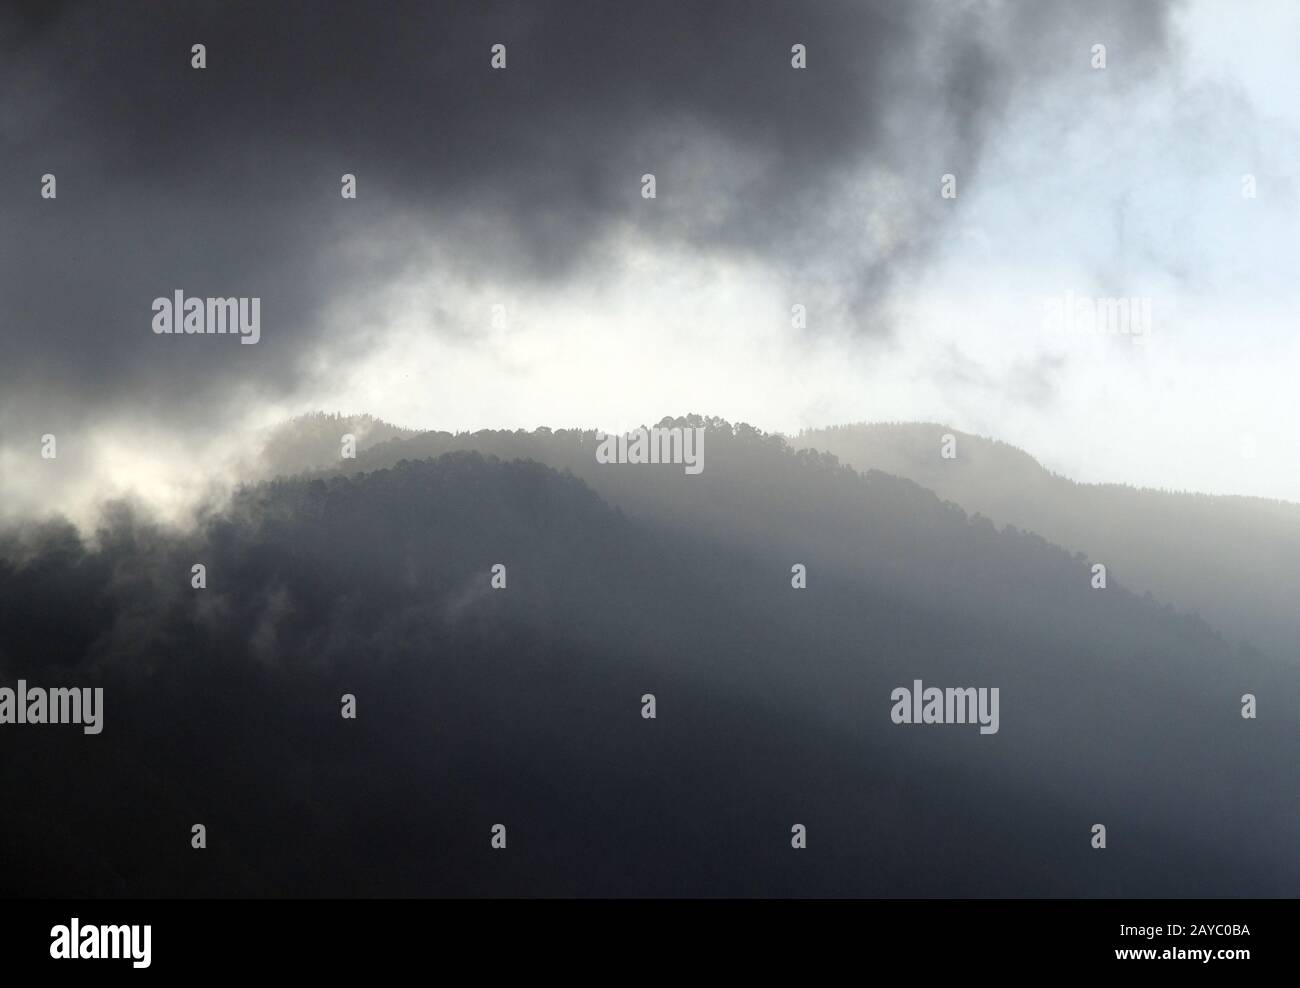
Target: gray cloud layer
{"x":225,"y":181}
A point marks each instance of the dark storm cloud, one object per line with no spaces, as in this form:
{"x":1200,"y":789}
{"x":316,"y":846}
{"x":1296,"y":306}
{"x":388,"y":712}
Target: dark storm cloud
{"x":226,"y":181}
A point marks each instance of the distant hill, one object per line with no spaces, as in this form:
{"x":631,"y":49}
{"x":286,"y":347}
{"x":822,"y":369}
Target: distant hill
{"x":311,"y":442}
{"x":1233,"y":560}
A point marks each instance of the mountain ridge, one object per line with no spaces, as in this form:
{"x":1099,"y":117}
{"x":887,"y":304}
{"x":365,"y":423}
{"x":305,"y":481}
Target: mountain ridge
{"x":521,"y":705}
